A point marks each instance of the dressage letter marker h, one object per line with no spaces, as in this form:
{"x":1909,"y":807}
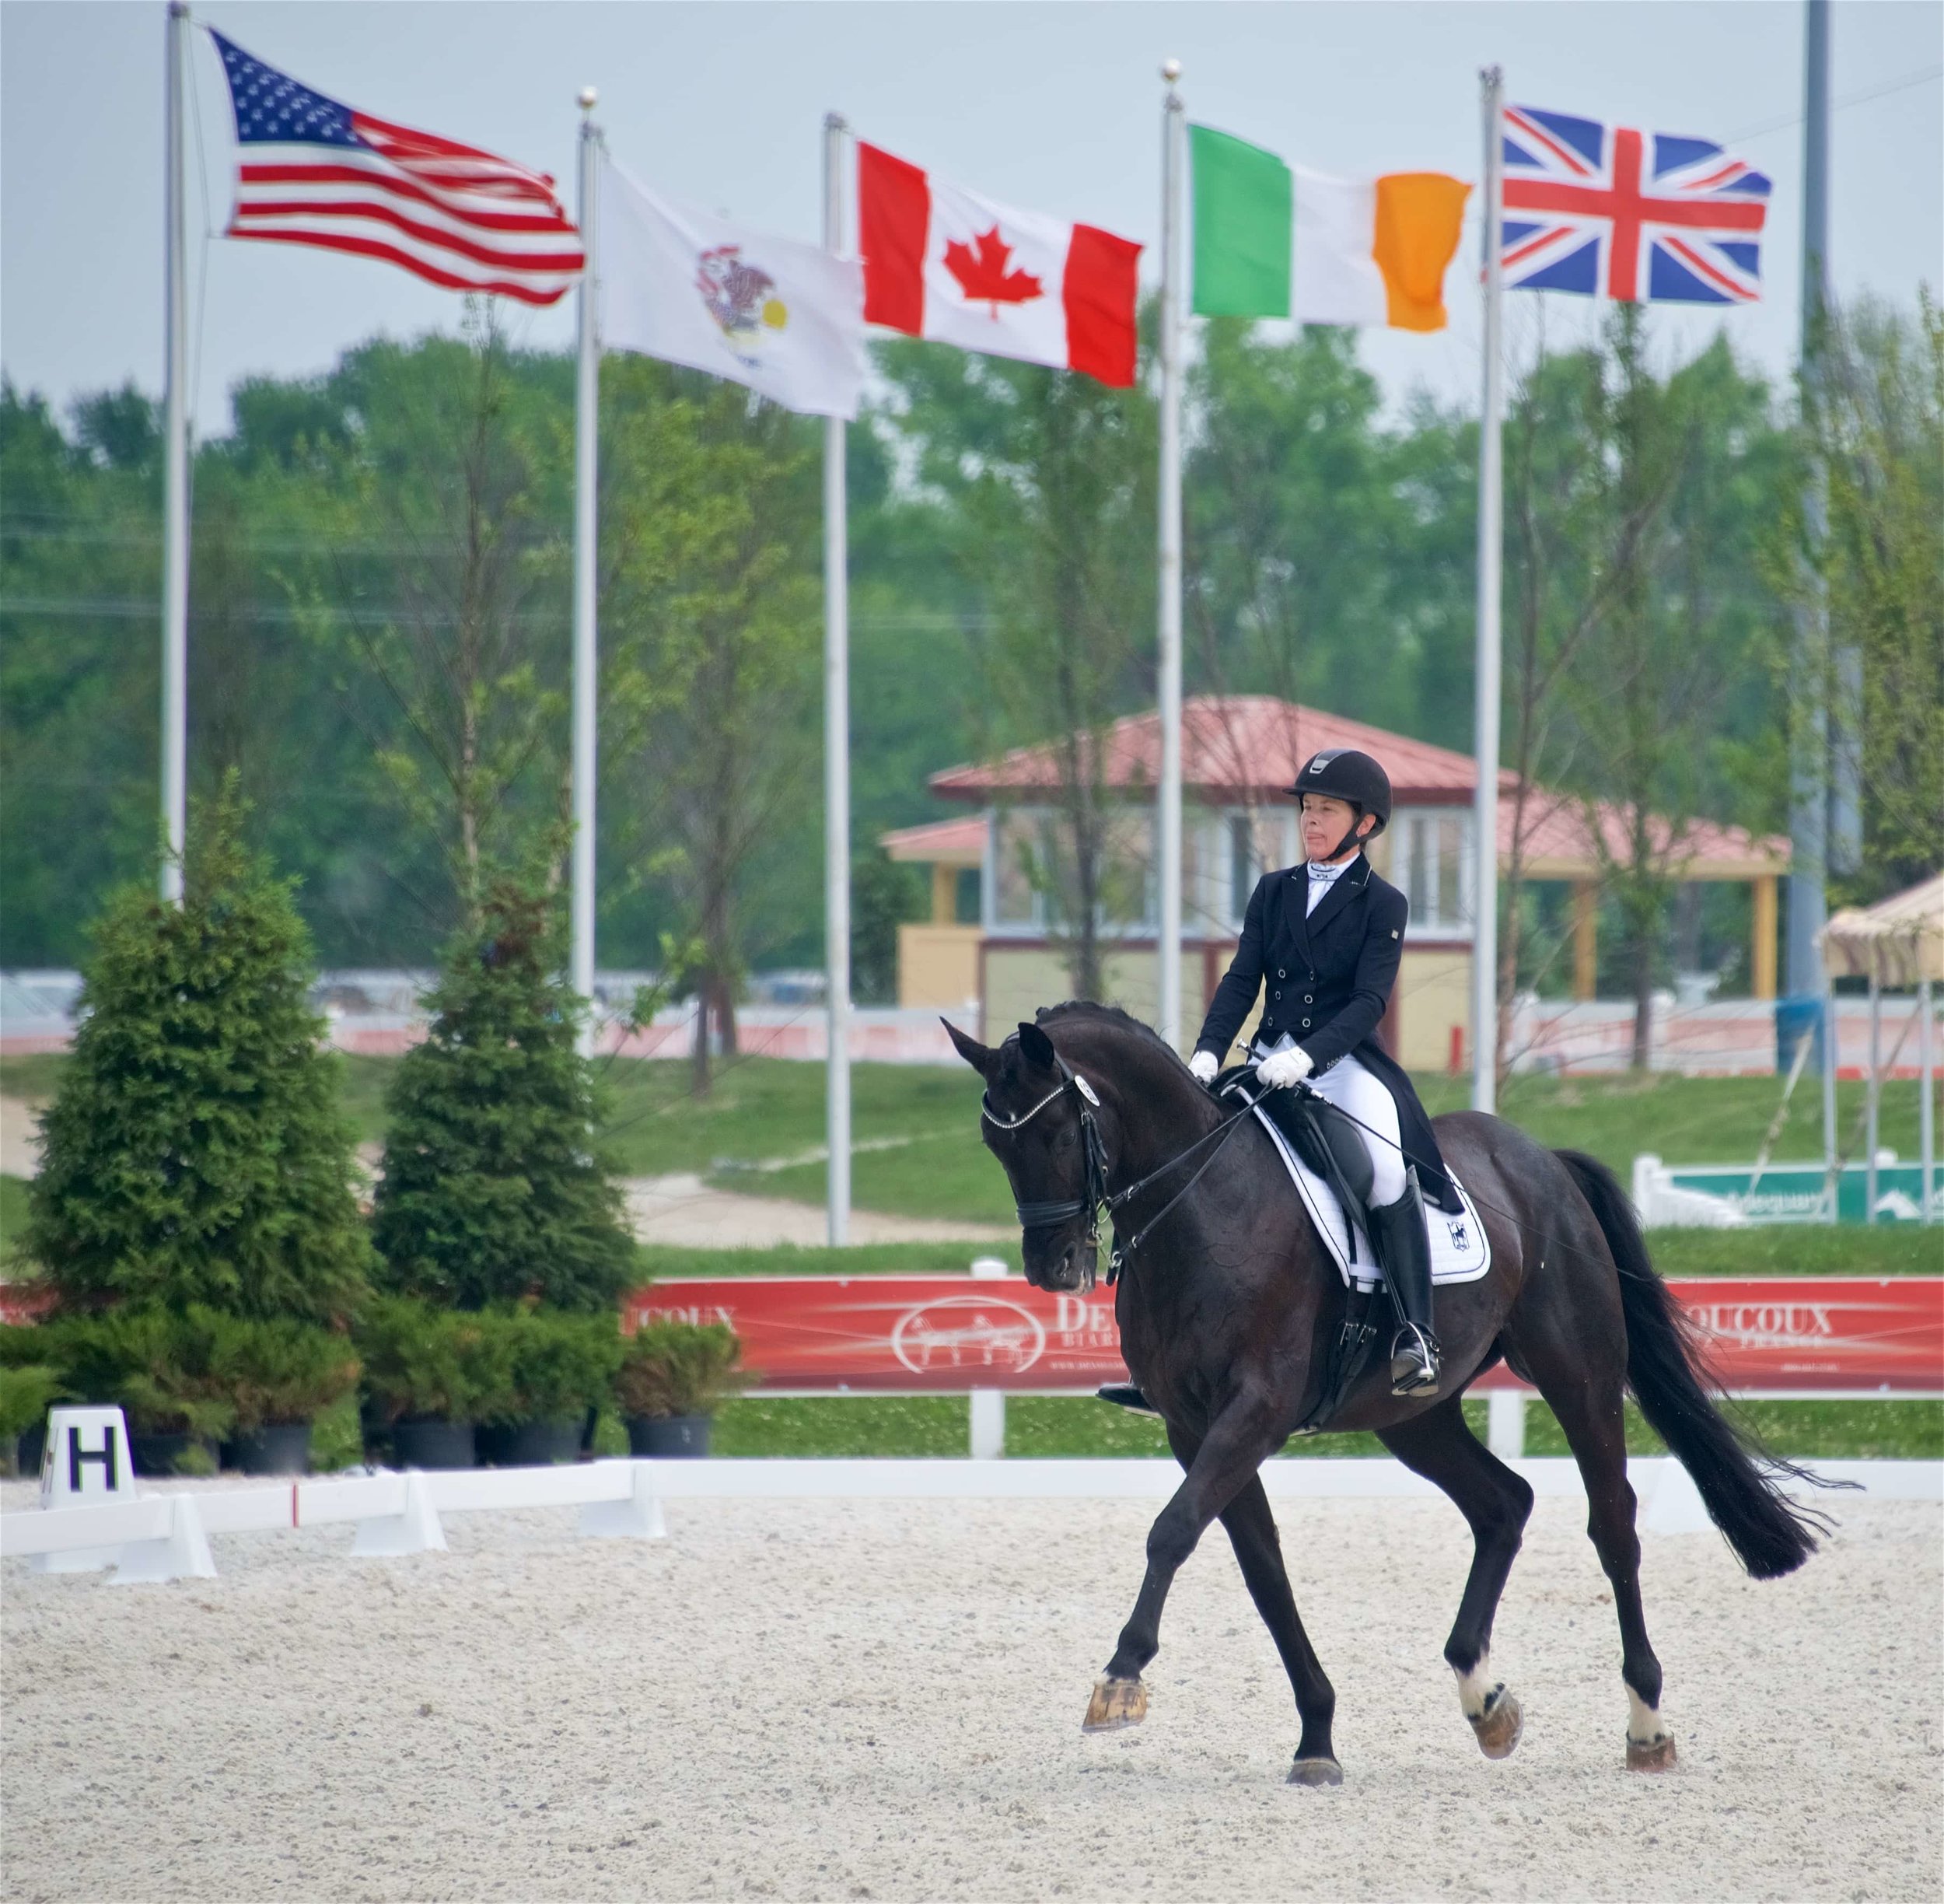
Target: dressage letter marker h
{"x":87,"y":1465}
{"x":78,"y":1456}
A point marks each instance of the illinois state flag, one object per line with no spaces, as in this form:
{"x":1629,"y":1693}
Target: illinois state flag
{"x":945,"y":263}
{"x":785,"y":319}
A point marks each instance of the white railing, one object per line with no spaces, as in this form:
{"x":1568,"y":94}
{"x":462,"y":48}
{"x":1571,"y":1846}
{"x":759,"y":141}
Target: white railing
{"x":161,"y":1537}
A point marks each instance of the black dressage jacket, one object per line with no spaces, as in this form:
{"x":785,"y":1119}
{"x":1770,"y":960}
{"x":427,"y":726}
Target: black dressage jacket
{"x":1329,"y":977}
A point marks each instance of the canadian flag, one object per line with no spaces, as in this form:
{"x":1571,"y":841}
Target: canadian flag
{"x":942,"y":262}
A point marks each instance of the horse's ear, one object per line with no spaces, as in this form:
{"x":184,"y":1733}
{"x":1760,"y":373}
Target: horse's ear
{"x":981,"y":1058}
{"x":1035,"y":1048}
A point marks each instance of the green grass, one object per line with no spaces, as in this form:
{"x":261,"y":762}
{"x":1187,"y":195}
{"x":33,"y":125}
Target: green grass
{"x":1682,"y":1120}
{"x":906,"y":1426}
{"x":365,"y":1083}
{"x":916,"y":1125}
{"x":32,"y":1075}
{"x":658,"y":1261}
{"x":942,"y":1170}
{"x":1798,"y":1249}
{"x":13,"y":1210}
{"x":1776,"y":1250}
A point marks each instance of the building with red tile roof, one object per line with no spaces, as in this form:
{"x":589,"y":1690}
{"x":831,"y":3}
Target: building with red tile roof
{"x":1238,"y":753}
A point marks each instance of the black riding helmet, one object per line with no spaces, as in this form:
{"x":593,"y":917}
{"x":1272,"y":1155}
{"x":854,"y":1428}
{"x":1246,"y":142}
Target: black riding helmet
{"x":1346,"y":774}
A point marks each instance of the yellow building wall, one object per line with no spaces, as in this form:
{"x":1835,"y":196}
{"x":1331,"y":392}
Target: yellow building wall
{"x":1434,"y":993}
{"x":938,"y":966}
{"x":1019,"y":979}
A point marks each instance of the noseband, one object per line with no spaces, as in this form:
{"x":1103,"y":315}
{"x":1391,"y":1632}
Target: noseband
{"x":1047,"y":1216}
{"x":1096,"y":1196}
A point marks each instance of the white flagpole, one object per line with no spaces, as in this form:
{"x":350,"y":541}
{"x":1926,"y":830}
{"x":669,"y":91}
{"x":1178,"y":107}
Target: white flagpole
{"x":586,"y":659}
{"x":175,"y":506}
{"x":836,"y":752}
{"x":1168,"y":946}
{"x":1485,"y":892}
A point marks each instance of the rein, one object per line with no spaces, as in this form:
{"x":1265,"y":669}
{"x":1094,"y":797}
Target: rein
{"x":1095,"y":1196}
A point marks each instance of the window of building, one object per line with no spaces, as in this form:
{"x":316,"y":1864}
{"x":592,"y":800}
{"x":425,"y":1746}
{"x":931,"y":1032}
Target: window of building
{"x":1431,"y":860}
{"x":1245,"y":866}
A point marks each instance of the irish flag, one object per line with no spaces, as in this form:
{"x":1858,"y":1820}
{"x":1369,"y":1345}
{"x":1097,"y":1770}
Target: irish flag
{"x":1272,"y":241}
{"x":942,"y":262}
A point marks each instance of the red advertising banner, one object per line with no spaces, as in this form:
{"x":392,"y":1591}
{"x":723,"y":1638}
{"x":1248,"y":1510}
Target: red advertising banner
{"x":945,"y":1335}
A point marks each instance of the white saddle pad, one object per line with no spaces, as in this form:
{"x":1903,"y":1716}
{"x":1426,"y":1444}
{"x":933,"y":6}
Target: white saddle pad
{"x":1460,"y":1251}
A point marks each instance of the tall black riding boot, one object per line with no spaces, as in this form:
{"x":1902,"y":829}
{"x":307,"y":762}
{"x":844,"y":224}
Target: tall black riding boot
{"x":1403,"y":1253}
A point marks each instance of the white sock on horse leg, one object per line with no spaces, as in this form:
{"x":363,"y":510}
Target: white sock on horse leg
{"x":1475,"y":1687}
{"x":1643,"y":1725}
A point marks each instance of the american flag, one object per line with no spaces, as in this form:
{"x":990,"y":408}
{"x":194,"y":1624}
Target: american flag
{"x":312,"y":172}
{"x":1645,"y":217}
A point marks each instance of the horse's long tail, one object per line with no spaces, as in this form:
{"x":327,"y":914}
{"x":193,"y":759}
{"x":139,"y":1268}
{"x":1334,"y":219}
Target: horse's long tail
{"x":1667,"y":1370}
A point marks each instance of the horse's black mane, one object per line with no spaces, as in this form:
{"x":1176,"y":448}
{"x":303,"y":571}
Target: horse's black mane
{"x":1111,"y":1015}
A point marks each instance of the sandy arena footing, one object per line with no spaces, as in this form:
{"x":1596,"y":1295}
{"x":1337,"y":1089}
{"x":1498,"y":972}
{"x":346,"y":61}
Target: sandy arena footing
{"x":882,"y":1699}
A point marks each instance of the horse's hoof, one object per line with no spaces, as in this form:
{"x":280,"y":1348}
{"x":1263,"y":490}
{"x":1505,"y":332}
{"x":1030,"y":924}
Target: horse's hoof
{"x":1316,"y":1772}
{"x":1115,"y":1703}
{"x":1653,"y":1755}
{"x":1499,"y":1725}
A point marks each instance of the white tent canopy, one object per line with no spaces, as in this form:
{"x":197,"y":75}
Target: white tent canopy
{"x":1899,"y":941}
{"x":1897,"y":944}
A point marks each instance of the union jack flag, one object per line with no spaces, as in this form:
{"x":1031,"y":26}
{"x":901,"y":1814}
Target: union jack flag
{"x":1644,"y":217}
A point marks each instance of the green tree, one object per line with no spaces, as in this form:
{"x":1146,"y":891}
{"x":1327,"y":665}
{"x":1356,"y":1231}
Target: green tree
{"x":1048,"y":478}
{"x":715,"y":630}
{"x":495,"y":1188}
{"x":457,"y":462}
{"x":1571,"y":540}
{"x":1290,"y":517}
{"x":883,"y":896}
{"x":194,"y":1151}
{"x":1873,"y":422}
{"x":1681,"y":616}
{"x":80,"y":560}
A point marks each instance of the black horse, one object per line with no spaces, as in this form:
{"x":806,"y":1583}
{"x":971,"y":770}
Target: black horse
{"x":1226,"y":1307}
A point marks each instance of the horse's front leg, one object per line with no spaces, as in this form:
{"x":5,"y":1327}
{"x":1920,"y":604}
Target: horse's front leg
{"x":1241,"y":1438}
{"x":1252,"y":1529}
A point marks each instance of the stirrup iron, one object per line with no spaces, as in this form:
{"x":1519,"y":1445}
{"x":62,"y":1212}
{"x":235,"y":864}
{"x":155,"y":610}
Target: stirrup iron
{"x":1414,"y":1361}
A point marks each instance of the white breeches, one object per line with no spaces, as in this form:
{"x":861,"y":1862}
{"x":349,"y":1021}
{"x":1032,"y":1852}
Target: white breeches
{"x":1350,"y":1088}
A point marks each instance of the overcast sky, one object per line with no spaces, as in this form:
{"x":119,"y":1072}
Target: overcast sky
{"x":1051,"y":106}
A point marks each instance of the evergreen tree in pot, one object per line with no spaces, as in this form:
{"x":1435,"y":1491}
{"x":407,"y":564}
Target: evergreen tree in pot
{"x":494,"y":1188}
{"x":559,"y":1367}
{"x":157,"y":1368}
{"x":27,"y":1391}
{"x":194,"y":1151}
{"x":428,"y":1373}
{"x":673,"y":1376}
{"x":278,"y":1376}
{"x":32,"y":1381}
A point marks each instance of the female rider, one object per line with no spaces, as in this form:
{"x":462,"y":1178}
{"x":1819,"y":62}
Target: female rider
{"x":1325,"y":938}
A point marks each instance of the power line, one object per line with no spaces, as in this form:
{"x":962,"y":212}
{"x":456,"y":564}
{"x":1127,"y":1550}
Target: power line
{"x":1849,"y":99}
{"x":126,"y":608}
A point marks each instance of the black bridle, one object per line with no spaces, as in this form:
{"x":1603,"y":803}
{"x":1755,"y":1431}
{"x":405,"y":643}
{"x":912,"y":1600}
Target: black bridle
{"x":1095,"y":1196}
{"x":1049,"y":1215}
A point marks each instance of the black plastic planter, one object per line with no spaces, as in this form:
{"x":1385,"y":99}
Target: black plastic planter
{"x":155,"y":1455}
{"x":33,"y":1445}
{"x":275,"y":1448}
{"x":431,"y":1443}
{"x":668,"y":1434}
{"x":528,"y":1444}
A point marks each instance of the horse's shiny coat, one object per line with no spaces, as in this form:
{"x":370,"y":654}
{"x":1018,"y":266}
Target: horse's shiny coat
{"x":1223,"y":1315}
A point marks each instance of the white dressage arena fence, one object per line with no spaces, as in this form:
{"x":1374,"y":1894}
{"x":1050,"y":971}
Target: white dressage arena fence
{"x":153,"y":1538}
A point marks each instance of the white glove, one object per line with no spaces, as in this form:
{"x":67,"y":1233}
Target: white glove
{"x":1205,"y":1064}
{"x":1284,"y":1068}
